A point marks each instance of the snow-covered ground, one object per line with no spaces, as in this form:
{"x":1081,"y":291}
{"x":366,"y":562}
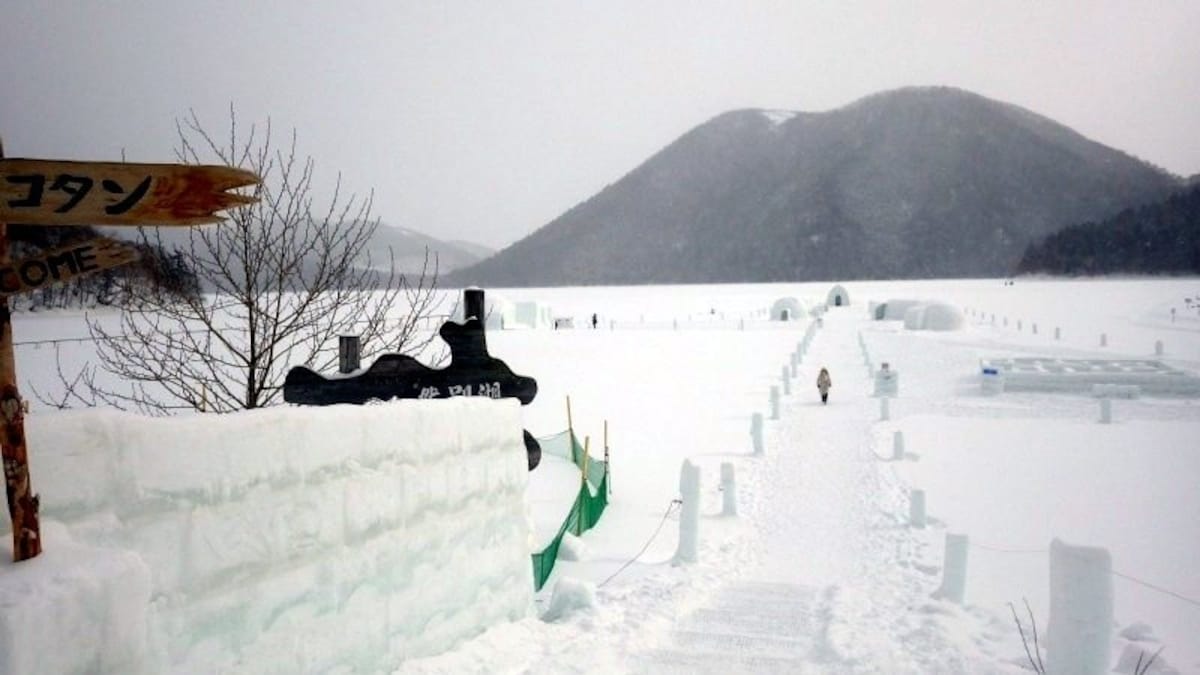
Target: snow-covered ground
{"x":821,"y":571}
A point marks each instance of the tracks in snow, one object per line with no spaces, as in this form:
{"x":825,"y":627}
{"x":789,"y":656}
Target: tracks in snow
{"x":839,"y":589}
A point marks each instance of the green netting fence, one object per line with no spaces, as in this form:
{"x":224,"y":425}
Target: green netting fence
{"x":589,"y":503}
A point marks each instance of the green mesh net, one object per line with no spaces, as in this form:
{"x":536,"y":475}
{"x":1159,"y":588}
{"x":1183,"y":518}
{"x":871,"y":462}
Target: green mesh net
{"x":589,"y":503}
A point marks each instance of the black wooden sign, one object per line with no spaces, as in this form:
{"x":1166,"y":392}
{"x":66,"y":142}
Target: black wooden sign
{"x":472,"y":372}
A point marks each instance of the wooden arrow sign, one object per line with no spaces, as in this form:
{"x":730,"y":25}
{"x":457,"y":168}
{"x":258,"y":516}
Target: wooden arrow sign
{"x":49,"y":192}
{"x":64,"y":264}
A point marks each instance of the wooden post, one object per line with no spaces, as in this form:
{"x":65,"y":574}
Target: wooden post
{"x":22,"y":502}
{"x":349,"y":353}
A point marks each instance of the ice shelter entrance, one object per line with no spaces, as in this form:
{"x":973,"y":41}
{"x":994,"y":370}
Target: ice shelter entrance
{"x":838,"y":297}
{"x":786,"y":309}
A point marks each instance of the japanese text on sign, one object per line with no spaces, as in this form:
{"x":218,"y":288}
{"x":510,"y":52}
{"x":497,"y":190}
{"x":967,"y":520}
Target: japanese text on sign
{"x":48,"y":192}
{"x":116,"y":198}
{"x":485,"y":389}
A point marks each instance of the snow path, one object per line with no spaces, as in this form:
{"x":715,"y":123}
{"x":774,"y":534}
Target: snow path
{"x":845,"y":584}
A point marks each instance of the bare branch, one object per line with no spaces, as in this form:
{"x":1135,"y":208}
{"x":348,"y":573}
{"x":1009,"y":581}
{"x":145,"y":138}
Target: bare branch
{"x":279,"y":280}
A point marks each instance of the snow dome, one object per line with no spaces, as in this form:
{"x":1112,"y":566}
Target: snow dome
{"x":838,"y":297}
{"x":933,"y":316}
{"x":894,"y":309}
{"x":786,"y":309}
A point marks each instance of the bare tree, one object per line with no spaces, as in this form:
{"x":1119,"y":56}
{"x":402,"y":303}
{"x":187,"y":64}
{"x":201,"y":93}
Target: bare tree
{"x":279,"y":281}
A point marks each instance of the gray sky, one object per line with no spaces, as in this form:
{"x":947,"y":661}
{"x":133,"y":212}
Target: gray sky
{"x":485,"y":120}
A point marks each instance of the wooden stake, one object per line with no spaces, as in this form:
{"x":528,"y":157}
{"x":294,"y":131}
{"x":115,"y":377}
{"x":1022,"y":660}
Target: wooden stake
{"x":22,"y":503}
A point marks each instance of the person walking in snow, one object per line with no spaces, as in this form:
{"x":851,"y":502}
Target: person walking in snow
{"x":823,"y":385}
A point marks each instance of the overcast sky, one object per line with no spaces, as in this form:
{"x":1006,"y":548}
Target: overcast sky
{"x":485,"y":120}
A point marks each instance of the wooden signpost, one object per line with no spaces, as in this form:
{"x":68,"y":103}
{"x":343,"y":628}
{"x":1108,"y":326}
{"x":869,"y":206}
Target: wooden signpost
{"x":42,"y":192}
{"x":65,"y":264}
{"x":46,"y":192}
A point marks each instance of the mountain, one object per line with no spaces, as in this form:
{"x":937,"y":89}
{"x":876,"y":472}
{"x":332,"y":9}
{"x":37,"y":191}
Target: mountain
{"x":407,"y":246}
{"x":1159,"y":238}
{"x":478,"y":250}
{"x":911,"y":183}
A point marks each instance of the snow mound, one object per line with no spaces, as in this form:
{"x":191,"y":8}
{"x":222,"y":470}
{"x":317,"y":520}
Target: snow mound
{"x":570,"y":596}
{"x":572,"y":548}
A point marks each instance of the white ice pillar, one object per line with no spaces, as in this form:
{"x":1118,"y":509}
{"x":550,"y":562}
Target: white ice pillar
{"x":1106,"y":410}
{"x":728,"y":490}
{"x":1079,"y":631}
{"x":884,"y":413}
{"x":916,"y":508}
{"x":774,"y":403}
{"x":954,"y":569}
{"x":787,"y":381}
{"x":756,"y":428}
{"x":1158,"y":348}
{"x":1104,"y":339}
{"x":689,"y":514}
{"x":897,"y":446}
{"x":1057,"y":333}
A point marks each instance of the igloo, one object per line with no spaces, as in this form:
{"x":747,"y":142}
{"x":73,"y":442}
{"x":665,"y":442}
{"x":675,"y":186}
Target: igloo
{"x":837,"y":297}
{"x":786,"y":309}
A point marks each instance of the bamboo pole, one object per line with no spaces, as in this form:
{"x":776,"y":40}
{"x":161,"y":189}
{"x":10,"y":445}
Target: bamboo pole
{"x":607,"y":468}
{"x":570,"y":429}
{"x":22,"y":503}
{"x":586,"y":450}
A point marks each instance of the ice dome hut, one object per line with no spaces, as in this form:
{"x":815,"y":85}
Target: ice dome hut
{"x":786,"y":309}
{"x":933,"y":316}
{"x":837,"y":297}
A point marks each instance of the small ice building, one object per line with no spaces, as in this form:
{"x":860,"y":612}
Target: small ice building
{"x":933,"y":316}
{"x":837,"y":297}
{"x":786,"y":309}
{"x":534,"y":315}
{"x":499,"y":312}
